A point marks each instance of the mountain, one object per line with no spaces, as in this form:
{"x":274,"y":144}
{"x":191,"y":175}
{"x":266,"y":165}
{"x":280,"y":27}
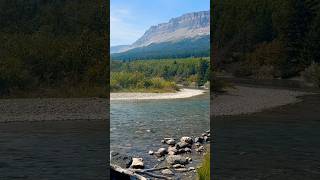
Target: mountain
{"x":119,"y":49}
{"x":187,"y":35}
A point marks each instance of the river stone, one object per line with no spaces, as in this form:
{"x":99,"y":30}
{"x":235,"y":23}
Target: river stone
{"x":197,"y":145}
{"x":198,"y":140}
{"x":176,"y":159}
{"x":137,"y":163}
{"x":178,"y":166}
{"x":204,"y":134}
{"x":200,"y":149}
{"x":121,"y":160}
{"x":167,"y":172}
{"x":150,"y":152}
{"x":161,"y":152}
{"x":189,"y":159}
{"x":181,"y":145}
{"x":191,"y":168}
{"x":187,"y":150}
{"x":186,"y":139}
{"x":206,"y":138}
{"x":208,"y":131}
{"x":181,"y":169}
{"x":172,"y":150}
{"x":171,"y":142}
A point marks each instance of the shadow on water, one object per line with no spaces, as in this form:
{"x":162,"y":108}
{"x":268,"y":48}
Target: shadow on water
{"x":53,"y":150}
{"x":279,"y":143}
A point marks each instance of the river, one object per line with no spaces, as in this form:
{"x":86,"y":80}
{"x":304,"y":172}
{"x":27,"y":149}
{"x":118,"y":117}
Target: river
{"x":278,"y":143}
{"x":139,"y":126}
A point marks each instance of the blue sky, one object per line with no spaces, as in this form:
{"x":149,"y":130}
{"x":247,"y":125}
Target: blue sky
{"x":129,"y":19}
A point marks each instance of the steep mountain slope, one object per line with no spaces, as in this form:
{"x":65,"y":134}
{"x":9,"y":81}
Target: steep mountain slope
{"x":187,"y":35}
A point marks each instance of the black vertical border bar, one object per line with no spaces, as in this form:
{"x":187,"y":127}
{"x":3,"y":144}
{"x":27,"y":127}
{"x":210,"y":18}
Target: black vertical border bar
{"x":211,"y":86}
{"x":106,"y":7}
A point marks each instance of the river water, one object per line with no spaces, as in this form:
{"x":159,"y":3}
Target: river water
{"x":139,"y":126}
{"x":279,"y":143}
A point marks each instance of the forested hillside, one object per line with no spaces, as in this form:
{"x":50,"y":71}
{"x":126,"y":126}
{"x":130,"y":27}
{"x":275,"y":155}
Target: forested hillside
{"x":159,"y":75}
{"x":266,"y":38}
{"x":190,"y":47}
{"x":53,"y":48}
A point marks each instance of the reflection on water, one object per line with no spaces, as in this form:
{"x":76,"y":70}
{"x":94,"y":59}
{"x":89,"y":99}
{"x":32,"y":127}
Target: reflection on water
{"x":139,"y":126}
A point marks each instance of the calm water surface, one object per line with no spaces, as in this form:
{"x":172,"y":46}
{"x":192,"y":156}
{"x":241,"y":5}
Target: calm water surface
{"x":139,"y":126}
{"x":276,"y":144}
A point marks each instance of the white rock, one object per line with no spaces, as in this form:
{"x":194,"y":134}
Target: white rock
{"x":137,"y":163}
{"x":167,"y":172}
{"x":186,"y":139}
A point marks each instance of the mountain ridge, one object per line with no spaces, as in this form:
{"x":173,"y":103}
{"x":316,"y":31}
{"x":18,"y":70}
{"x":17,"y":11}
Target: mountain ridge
{"x":186,"y":27}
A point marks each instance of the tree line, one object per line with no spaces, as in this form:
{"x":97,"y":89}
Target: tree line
{"x":266,"y":38}
{"x":53,"y":45}
{"x":188,"y":72}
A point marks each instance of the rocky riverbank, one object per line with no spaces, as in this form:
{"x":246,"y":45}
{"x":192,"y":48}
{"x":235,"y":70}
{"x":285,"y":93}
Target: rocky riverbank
{"x":53,"y":109}
{"x":174,"y":160}
{"x":246,"y":100}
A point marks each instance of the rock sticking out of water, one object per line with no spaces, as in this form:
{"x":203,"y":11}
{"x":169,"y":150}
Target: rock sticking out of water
{"x":137,"y":163}
{"x":161,"y":152}
{"x":186,"y":139}
{"x":167,"y":172}
{"x":121,"y":160}
{"x":176,"y":159}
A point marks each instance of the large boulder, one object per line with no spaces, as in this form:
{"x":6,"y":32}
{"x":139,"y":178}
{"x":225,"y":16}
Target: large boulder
{"x":182,"y":145}
{"x":137,"y":163}
{"x":186,"y":139}
{"x":176,"y":159}
{"x":121,"y":160}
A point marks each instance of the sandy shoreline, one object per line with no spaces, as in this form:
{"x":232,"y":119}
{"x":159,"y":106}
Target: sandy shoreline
{"x":246,"y":100}
{"x":183,"y":93}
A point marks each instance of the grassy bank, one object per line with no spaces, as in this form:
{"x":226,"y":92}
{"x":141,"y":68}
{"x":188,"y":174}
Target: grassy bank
{"x":204,"y":170}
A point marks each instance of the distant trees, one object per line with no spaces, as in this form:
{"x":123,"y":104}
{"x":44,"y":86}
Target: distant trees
{"x":184,"y":71}
{"x":52,"y":45}
{"x":199,"y":47}
{"x":280,"y":36}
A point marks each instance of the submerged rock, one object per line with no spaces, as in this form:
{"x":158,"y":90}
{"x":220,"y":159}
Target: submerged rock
{"x":137,"y":163}
{"x":121,"y":160}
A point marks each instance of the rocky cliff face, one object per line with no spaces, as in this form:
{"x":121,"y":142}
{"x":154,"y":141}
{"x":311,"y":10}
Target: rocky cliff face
{"x":186,"y":26}
{"x":191,"y":25}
